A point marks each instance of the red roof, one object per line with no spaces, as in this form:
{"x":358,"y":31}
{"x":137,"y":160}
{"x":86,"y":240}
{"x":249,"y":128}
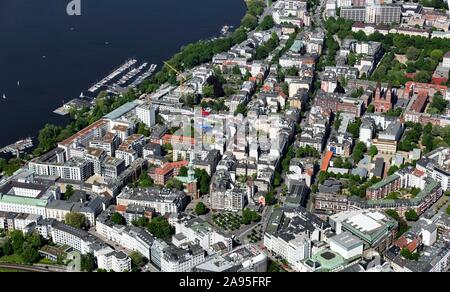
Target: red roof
{"x":121,"y":208}
{"x":418,"y":173}
{"x":420,"y":102}
{"x":326,"y":161}
{"x":167,"y":139}
{"x":168,"y":167}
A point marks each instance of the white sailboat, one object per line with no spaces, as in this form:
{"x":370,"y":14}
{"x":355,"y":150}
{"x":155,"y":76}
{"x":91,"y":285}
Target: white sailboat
{"x":4,"y":96}
{"x":18,"y":83}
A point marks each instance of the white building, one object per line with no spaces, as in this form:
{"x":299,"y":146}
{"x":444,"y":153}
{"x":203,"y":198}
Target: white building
{"x":28,"y":198}
{"x":129,"y":237}
{"x":176,"y":259}
{"x":347,"y":245}
{"x":76,"y":168}
{"x":446,"y":60}
{"x":63,"y":234}
{"x":436,"y":166}
{"x":290,"y":235}
{"x":245,"y":258}
{"x":110,"y":260}
{"x":198,"y":231}
{"x":163,"y":201}
{"x":146,"y":114}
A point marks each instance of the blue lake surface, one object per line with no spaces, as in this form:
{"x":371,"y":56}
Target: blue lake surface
{"x":80,"y":50}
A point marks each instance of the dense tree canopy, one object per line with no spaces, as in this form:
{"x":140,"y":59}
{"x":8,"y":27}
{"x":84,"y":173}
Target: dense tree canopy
{"x":160,"y":228}
{"x":118,"y":219}
{"x":76,"y":220}
{"x":200,"y":209}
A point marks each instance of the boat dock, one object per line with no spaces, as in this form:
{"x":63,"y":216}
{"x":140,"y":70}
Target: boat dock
{"x":135,"y":74}
{"x":127,"y":76}
{"x":18,"y":147}
{"x":128,"y":64}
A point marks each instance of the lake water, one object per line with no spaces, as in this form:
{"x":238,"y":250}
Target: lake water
{"x":56,"y":57}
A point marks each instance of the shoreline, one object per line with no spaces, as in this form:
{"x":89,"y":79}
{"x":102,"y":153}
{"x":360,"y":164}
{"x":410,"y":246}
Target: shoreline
{"x":65,"y":124}
{"x":154,"y":50}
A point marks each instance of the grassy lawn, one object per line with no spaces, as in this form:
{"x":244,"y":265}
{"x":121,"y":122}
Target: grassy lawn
{"x":12,"y":259}
{"x":3,"y":270}
{"x":45,"y":261}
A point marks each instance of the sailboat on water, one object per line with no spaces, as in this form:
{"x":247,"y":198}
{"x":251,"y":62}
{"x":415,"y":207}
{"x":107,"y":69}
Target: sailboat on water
{"x":18,"y":83}
{"x":4,"y":96}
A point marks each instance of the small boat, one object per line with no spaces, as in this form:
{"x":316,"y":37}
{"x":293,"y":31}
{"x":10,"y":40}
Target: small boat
{"x":81,"y":95}
{"x":18,"y":82}
{"x":4,"y":96}
{"x":44,"y":56}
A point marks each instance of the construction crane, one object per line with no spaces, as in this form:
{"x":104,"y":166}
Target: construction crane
{"x":180,"y":76}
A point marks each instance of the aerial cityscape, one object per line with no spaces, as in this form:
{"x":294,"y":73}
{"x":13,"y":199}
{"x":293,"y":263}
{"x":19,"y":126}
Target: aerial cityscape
{"x":311,"y":136}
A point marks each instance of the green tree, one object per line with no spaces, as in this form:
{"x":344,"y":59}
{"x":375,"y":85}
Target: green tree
{"x":34,"y":240}
{"x":76,"y":220}
{"x":402,"y":225}
{"x":143,"y":130}
{"x":2,"y":164}
{"x":437,"y":55}
{"x":249,"y":21}
{"x":12,"y":166}
{"x":236,"y":70}
{"x":411,"y":215}
{"x":137,"y":260}
{"x":358,"y":152}
{"x":69,"y":192}
{"x":270,"y":199}
{"x":427,"y":141}
{"x":277,"y":179}
{"x":353,"y":128}
{"x":7,"y":248}
{"x":423,"y":76}
{"x":183,"y":171}
{"x":17,"y":241}
{"x":267,"y":23}
{"x":208,"y":90}
{"x":352,"y":59}
{"x":249,"y":216}
{"x":145,"y":180}
{"x":47,"y":137}
{"x":438,"y":104}
{"x":241,"y":109}
{"x":292,"y":71}
{"x":373,"y":151}
{"x":393,"y":169}
{"x":412,"y":54}
{"x":88,"y":263}
{"x":203,"y":181}
{"x":118,"y":219}
{"x":338,"y":162}
{"x":200,"y":209}
{"x":307,"y":151}
{"x":141,"y":222}
{"x":173,"y":183}
{"x":30,"y":254}
{"x":409,"y":255}
{"x":160,"y":227}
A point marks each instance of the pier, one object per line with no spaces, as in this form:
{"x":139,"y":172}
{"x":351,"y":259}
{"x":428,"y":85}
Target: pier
{"x":119,"y":81}
{"x":18,"y":147}
{"x":128,"y":64}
